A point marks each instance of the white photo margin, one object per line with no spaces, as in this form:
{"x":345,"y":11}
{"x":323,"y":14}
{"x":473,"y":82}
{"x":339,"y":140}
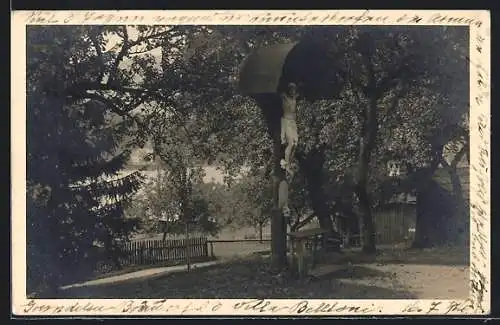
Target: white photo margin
{"x":480,"y":35}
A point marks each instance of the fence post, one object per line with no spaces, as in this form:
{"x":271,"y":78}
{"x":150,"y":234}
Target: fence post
{"x":141,"y":253}
{"x":188,"y":246}
{"x":205,"y":247}
{"x":212,"y":249}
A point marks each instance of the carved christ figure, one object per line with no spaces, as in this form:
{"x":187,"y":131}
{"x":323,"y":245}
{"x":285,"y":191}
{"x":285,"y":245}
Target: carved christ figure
{"x":289,"y":137}
{"x":289,"y":134}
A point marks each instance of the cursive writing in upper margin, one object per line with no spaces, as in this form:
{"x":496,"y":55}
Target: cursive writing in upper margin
{"x":256,"y":17}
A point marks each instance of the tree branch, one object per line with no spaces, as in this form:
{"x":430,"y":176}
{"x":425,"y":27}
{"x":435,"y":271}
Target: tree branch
{"x":164,"y":158}
{"x":395,"y":100}
{"x":90,"y":85}
{"x":392,"y":77}
{"x":459,"y":155}
{"x":123,"y":51}
{"x":343,"y":209}
{"x":128,"y":44}
{"x":365,"y":43}
{"x":95,"y":42}
{"x":112,"y":106}
{"x":146,"y":50}
{"x":80,"y":89}
{"x":142,"y":39}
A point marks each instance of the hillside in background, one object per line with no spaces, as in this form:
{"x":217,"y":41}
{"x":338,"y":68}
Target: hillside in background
{"x":149,"y":168}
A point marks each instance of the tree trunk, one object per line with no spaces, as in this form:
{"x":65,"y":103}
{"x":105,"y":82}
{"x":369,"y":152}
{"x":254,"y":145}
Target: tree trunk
{"x":312,"y":167}
{"x":439,"y":213}
{"x":270,"y":105}
{"x":318,"y":200}
{"x":456,"y":184}
{"x":462,"y":214}
{"x":112,"y":251}
{"x":453,"y":172}
{"x":353,"y":231}
{"x":368,"y":238}
{"x":115,"y":259}
{"x":366,"y":145}
{"x":163,"y":225}
{"x":373,"y":91}
{"x":278,"y":224}
{"x":422,"y":181}
{"x":460,"y":209}
{"x":423,"y":224}
{"x":435,"y":210}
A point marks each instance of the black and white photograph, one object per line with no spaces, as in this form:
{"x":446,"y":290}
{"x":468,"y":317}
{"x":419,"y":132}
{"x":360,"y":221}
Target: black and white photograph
{"x":261,"y":163}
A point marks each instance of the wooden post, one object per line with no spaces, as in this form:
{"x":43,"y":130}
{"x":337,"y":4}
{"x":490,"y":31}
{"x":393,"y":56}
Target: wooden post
{"x":291,"y":243}
{"x":315,"y":248}
{"x":261,"y":225}
{"x":188,"y":258}
{"x":212,"y":249}
{"x":270,"y":105}
{"x":143,"y":248}
{"x":300,"y":251}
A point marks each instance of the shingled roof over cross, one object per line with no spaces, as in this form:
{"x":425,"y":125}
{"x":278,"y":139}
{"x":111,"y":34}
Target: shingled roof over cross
{"x":307,"y":63}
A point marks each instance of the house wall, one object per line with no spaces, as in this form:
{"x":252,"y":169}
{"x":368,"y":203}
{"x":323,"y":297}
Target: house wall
{"x":394,"y":223}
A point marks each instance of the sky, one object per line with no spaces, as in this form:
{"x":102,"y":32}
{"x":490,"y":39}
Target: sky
{"x":114,"y":40}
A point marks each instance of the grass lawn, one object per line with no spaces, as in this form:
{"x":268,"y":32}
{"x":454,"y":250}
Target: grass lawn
{"x":393,"y":274}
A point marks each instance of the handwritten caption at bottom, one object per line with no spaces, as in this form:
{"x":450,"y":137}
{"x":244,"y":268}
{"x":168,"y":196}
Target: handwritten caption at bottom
{"x":244,"y":307}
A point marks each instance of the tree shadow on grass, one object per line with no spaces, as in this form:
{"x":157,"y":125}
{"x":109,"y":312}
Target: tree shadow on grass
{"x":250,"y":279}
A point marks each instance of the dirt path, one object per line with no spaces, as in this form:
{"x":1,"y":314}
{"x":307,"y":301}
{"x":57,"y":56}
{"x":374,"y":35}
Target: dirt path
{"x":435,"y":281}
{"x":146,"y":274}
{"x":421,"y":281}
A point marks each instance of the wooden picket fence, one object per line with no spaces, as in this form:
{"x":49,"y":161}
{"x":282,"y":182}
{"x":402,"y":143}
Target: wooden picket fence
{"x":153,"y":252}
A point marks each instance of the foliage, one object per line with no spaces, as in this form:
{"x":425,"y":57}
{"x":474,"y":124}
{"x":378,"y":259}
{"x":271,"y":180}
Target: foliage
{"x":75,"y":194}
{"x":159,"y":205}
{"x":254,"y":195}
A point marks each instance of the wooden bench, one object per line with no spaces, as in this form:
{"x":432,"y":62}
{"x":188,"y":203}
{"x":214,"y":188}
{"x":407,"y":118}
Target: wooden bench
{"x":310,"y":239}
